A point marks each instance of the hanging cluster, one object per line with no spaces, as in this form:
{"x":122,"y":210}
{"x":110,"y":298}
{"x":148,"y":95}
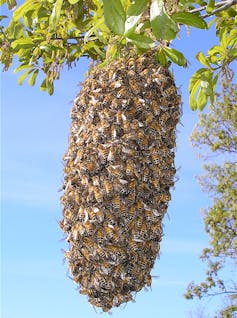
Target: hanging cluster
{"x":119,"y":169}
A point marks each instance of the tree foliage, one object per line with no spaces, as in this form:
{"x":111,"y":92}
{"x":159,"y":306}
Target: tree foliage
{"x":44,"y":35}
{"x":217,"y":131}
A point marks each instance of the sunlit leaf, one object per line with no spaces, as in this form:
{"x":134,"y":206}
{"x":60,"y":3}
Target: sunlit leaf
{"x":202,"y":59}
{"x":24,"y":75}
{"x":73,"y":1}
{"x":32,"y":78}
{"x":43,"y":86}
{"x":114,"y":16}
{"x":162,"y":25}
{"x":137,"y":7}
{"x":190,"y":19}
{"x":161,"y":58}
{"x":22,"y":43}
{"x":201,"y":100}
{"x":210,"y":6}
{"x":22,"y":67}
{"x":141,"y":41}
{"x":56,"y":13}
{"x":50,"y":87}
{"x":176,"y":56}
{"x":192,"y":96}
{"x":195,"y":77}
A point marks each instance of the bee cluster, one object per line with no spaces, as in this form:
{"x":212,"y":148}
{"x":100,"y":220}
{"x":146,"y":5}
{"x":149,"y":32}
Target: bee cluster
{"x":119,"y":168}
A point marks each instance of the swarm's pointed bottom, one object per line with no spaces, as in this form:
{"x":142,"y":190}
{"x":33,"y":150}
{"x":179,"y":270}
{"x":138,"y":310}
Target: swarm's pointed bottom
{"x":119,"y":168}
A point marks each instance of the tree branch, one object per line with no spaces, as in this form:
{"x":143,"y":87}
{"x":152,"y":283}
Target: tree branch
{"x":220,"y":6}
{"x":221,"y":293}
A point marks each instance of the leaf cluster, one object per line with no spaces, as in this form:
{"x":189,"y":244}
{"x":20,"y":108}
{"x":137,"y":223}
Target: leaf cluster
{"x":217,"y":60}
{"x":45,"y":35}
{"x":217,"y":131}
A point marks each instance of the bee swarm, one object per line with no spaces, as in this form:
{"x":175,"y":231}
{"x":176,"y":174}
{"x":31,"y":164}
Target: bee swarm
{"x":118,"y":171}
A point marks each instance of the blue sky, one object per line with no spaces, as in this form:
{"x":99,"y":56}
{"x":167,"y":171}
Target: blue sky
{"x":35,"y":130}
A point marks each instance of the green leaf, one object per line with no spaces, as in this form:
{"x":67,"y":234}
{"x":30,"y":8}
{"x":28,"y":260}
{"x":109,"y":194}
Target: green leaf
{"x":24,"y":75}
{"x":137,"y":7}
{"x":114,"y":16}
{"x":210,"y":6}
{"x":202,"y":59}
{"x":190,"y":19}
{"x":195,"y":77}
{"x":22,"y":43}
{"x":55,"y":16}
{"x":176,"y":56}
{"x":3,"y":17}
{"x":50,"y":87}
{"x":192,"y":96}
{"x":25,"y":7}
{"x":43,"y":86}
{"x":201,"y":100}
{"x":11,"y":4}
{"x":32,"y":79}
{"x":163,"y":27}
{"x":73,"y":1}
{"x":22,"y":67}
{"x":161,"y":58}
{"x":111,"y":51}
{"x":130,"y":24}
{"x":141,"y":41}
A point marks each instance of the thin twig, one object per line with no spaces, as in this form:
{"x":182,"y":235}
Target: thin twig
{"x":225,"y":5}
{"x":224,"y":292}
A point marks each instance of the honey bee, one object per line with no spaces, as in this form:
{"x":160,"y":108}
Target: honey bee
{"x":104,"y":125}
{"x":117,"y":253}
{"x":84,"y":180}
{"x":115,"y":171}
{"x":103,"y":151}
{"x":129,"y":167}
{"x":122,"y":92}
{"x":155,"y":107}
{"x":143,"y":231}
{"x":108,"y":187}
{"x":100,"y":236}
{"x":133,"y":245}
{"x":82,"y":214}
{"x":143,"y":139}
{"x":98,"y":194}
{"x":156,"y":228}
{"x":64,"y":225}
{"x":86,"y":253}
{"x":130,"y":152}
{"x":139,"y":221}
{"x":117,"y":272}
{"x":108,"y":114}
{"x":113,"y":132}
{"x":70,"y":216}
{"x":108,"y":99}
{"x":130,"y":113}
{"x":169,"y":92}
{"x":123,"y":210}
{"x":131,"y":62}
{"x":96,"y":181}
{"x":116,"y":84}
{"x":99,"y":280}
{"x":100,"y":253}
{"x":155,"y":157}
{"x":146,"y":173}
{"x":139,"y":206}
{"x":145,"y":73}
{"x":139,"y":104}
{"x":89,"y":228}
{"x":116,"y":202}
{"x":131,"y":73}
{"x":131,"y":198}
